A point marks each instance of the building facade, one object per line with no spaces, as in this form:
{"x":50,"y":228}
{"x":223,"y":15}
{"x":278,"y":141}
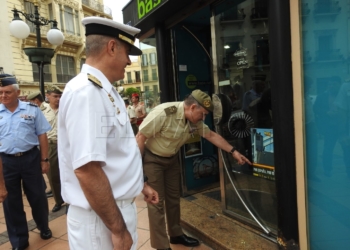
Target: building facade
{"x":68,"y":57}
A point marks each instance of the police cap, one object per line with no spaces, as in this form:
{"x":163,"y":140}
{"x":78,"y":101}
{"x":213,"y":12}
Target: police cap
{"x":6,"y":79}
{"x":108,"y":27}
{"x":203,"y":99}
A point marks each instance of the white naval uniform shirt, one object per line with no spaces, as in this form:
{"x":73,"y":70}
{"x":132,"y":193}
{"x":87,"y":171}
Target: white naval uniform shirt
{"x":91,"y":128}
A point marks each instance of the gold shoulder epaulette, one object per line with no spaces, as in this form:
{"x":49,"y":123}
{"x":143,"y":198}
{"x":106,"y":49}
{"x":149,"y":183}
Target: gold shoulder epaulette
{"x":170,"y":110}
{"x":95,"y":81}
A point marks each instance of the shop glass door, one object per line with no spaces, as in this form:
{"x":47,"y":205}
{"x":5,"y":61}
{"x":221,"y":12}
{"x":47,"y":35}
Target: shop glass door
{"x":246,"y":119}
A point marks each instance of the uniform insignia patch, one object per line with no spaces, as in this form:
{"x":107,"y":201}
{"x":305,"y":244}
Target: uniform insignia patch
{"x":206,"y":103}
{"x":170,"y":110}
{"x":95,"y":81}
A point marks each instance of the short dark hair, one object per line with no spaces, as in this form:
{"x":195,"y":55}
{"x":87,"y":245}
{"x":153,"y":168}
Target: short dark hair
{"x":40,"y":98}
{"x":126,"y":101}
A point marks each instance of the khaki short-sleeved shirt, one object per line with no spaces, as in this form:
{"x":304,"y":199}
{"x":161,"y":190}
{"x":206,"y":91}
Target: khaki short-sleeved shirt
{"x":51,"y":117}
{"x":167,"y":130}
{"x":139,"y":109}
{"x":131,"y":112}
{"x":43,"y":106}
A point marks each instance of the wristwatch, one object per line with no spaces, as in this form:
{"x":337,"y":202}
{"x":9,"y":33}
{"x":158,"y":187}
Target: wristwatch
{"x":145,"y":178}
{"x":233,"y":150}
{"x":45,"y":160}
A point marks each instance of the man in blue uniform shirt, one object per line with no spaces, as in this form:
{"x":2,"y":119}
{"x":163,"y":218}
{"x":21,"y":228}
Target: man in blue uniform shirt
{"x":22,"y":128}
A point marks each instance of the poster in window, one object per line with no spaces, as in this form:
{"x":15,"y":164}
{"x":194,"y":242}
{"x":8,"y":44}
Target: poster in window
{"x":263,"y":153}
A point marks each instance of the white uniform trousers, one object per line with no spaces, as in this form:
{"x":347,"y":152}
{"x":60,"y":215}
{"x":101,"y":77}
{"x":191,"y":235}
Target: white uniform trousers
{"x":86,"y":230}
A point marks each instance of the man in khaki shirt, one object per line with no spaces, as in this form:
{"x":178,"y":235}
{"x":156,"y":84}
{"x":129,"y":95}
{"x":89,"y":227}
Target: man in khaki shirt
{"x":51,"y":113}
{"x":165,"y":129}
{"x":38,"y":99}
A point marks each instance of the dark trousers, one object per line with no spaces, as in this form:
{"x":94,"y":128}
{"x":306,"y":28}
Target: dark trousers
{"x":24,"y":170}
{"x":163,"y":176}
{"x":54,"y":173}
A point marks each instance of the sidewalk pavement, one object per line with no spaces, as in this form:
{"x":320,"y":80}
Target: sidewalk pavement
{"x":58,"y":226}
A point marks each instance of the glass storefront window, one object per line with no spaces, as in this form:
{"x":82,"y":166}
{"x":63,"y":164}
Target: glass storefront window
{"x":325,"y":39}
{"x":242,"y":51}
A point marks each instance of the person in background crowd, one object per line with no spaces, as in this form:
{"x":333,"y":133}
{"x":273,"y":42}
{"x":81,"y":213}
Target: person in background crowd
{"x":164,"y":130}
{"x":38,"y":99}
{"x":3,"y":191}
{"x":139,"y":109}
{"x":53,"y":94}
{"x":100,"y":164}
{"x":23,"y":128}
{"x":132,"y":115}
{"x":255,"y":92}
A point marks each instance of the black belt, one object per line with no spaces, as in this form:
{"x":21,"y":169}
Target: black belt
{"x":166,"y":157}
{"x":20,"y":153}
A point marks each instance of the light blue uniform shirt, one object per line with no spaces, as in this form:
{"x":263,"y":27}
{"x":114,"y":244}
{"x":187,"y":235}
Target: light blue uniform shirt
{"x":19,"y":130}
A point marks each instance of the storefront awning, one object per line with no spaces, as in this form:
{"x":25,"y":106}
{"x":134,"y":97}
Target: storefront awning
{"x":144,"y":14}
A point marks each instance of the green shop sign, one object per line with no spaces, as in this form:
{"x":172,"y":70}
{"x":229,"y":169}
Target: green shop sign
{"x":146,"y":7}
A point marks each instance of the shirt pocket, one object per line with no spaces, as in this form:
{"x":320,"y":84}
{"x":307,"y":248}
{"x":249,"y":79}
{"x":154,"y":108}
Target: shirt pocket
{"x":26,"y":126}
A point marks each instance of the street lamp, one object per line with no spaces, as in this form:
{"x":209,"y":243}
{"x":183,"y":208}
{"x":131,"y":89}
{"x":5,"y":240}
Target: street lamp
{"x":38,"y":55}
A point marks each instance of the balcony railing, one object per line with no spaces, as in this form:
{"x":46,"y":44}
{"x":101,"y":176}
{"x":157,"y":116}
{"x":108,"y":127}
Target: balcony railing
{"x":94,"y":5}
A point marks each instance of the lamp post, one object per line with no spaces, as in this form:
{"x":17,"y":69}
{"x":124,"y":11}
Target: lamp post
{"x":38,"y":55}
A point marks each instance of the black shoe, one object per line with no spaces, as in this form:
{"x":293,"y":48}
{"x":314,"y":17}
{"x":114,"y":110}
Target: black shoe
{"x":46,"y":234}
{"x":22,"y":247}
{"x":49,"y":194}
{"x":57,"y":207}
{"x":184,"y":240}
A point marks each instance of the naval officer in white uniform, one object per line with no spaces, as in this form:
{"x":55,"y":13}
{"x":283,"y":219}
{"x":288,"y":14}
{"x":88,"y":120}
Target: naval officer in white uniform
{"x":100,"y":162}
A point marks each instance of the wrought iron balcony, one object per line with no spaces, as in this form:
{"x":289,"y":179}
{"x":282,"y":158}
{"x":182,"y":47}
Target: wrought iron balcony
{"x":94,"y":5}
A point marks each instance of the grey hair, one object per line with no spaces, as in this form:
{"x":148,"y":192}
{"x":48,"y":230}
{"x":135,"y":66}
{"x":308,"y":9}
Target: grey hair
{"x":189,"y":100}
{"x":15,"y":86}
{"x":95,"y":44}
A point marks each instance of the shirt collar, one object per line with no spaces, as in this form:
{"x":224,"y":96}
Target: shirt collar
{"x":99,"y":75}
{"x":21,"y":105}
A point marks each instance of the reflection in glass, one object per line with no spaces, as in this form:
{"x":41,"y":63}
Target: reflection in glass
{"x":242,"y":47}
{"x":325,"y":32}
